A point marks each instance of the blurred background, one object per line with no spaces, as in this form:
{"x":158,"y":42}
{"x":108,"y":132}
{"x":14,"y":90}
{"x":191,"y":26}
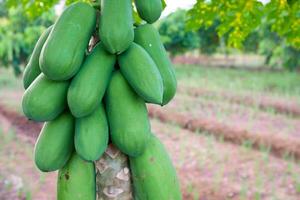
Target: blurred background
{"x":233,"y":129}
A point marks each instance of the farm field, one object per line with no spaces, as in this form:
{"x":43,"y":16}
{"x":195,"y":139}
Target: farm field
{"x":232,"y":134}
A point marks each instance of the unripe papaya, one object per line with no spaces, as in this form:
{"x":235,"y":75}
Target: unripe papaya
{"x":55,"y":144}
{"x":116,"y":25}
{"x":127,"y":117}
{"x":142,"y":74}
{"x":45,"y":99}
{"x":148,"y":37}
{"x":64,"y":50}
{"x":91,"y":135}
{"x":153,"y":174}
{"x":32,"y":69}
{"x":88,"y":86}
{"x":77,"y":180}
{"x":149,"y":10}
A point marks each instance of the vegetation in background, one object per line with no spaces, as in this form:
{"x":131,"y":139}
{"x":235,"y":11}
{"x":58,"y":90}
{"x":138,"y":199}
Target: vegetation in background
{"x":207,"y":40}
{"x":239,"y":20}
{"x":18,"y":34}
{"x":174,"y":36}
{"x":215,"y":26}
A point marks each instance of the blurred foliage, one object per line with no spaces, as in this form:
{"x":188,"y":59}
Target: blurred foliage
{"x":36,"y":8}
{"x":262,"y":40}
{"x":174,"y":36}
{"x":212,"y":26}
{"x":239,"y":18}
{"x":18,"y":35}
{"x":276,"y":49}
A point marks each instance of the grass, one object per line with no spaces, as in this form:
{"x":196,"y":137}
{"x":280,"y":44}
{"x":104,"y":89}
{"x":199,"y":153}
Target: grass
{"x":281,"y":83}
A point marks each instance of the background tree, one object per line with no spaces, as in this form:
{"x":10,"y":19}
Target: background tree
{"x":174,"y":36}
{"x":241,"y":20}
{"x":18,"y":34}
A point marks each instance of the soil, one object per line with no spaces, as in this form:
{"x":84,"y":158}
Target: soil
{"x":16,"y":161}
{"x":246,"y":117}
{"x":280,"y":145}
{"x":208,"y":169}
{"x":211,"y":169}
{"x":279,"y":105}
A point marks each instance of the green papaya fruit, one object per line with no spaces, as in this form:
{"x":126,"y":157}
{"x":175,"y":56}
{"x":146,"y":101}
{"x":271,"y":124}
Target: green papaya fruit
{"x":88,"y":86}
{"x":153,"y":174}
{"x":45,"y":99}
{"x":77,"y":180}
{"x":55,"y":144}
{"x":32,"y":69}
{"x":142,"y":74}
{"x":116,"y":25}
{"x":149,"y":10}
{"x":64,"y":50}
{"x":91,"y":135}
{"x":127,"y":117}
{"x":148,"y":37}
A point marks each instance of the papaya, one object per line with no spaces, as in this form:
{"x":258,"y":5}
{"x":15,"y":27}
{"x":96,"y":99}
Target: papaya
{"x":91,"y":135}
{"x":116,"y":25}
{"x":153,"y":174}
{"x":88,"y":86}
{"x":142,"y":74}
{"x":149,"y":10}
{"x":45,"y":99}
{"x":55,"y":143}
{"x":148,"y":37}
{"x":127,"y":117}
{"x":32,"y":69}
{"x":77,"y":180}
{"x":64,"y":50}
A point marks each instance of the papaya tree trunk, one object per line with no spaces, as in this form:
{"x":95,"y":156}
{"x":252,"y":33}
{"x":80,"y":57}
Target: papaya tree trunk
{"x":112,"y":170}
{"x":113,"y":176}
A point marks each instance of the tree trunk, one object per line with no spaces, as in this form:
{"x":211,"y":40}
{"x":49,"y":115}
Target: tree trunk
{"x":113,"y":176}
{"x":112,"y":170}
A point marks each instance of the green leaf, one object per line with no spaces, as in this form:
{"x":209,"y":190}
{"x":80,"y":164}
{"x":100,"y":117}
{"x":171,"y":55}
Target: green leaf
{"x":164,"y":4}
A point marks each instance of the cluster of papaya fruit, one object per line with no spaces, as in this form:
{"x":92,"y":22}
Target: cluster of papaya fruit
{"x":89,"y":97}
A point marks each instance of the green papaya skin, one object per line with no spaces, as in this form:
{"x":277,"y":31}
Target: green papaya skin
{"x":91,"y":135}
{"x":55,"y":145}
{"x":127,"y":116}
{"x":87,"y":88}
{"x":149,"y":10}
{"x":116,"y":25}
{"x":32,"y":69}
{"x":64,"y":50}
{"x":45,"y":99}
{"x":153,"y":174}
{"x":148,"y":37}
{"x":142,"y":74}
{"x":77,"y":180}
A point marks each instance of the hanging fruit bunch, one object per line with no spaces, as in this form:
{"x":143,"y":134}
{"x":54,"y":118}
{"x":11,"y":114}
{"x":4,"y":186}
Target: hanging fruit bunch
{"x":92,"y":95}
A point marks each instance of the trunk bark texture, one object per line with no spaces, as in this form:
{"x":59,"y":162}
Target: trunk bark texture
{"x":113,"y":176}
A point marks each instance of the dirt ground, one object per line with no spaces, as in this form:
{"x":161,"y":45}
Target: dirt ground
{"x":224,"y":145}
{"x":17,"y":168}
{"x":279,"y":105}
{"x":207,"y":167}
